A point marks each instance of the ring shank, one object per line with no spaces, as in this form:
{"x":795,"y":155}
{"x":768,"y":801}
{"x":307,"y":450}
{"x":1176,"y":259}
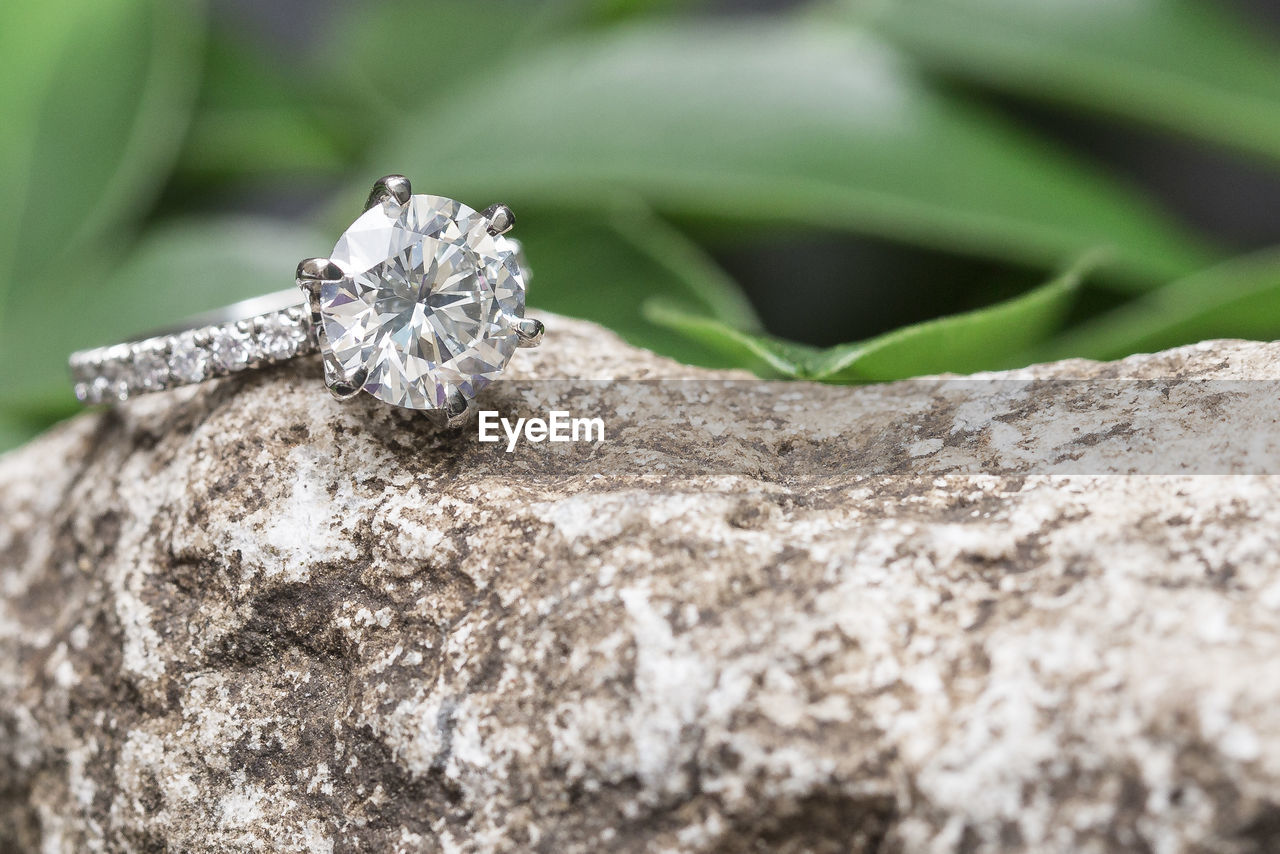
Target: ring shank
{"x":252,"y":333}
{"x":237,"y":311}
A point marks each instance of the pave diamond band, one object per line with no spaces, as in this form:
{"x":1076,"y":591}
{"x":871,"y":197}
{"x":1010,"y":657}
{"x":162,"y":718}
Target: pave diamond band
{"x":421,"y":304}
{"x":249,"y":334}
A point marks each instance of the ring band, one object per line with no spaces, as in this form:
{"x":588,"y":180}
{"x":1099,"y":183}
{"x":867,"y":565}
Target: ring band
{"x":420,"y":304}
{"x":249,"y":334}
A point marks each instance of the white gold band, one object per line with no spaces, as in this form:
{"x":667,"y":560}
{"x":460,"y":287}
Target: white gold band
{"x":249,"y":334}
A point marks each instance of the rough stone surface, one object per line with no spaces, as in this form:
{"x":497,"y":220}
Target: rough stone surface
{"x":248,"y":618}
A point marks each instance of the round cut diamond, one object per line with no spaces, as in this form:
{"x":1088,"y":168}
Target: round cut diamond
{"x":280,"y":339}
{"x":428,"y":304}
{"x":152,"y":366}
{"x":190,"y":361}
{"x":230,"y":351}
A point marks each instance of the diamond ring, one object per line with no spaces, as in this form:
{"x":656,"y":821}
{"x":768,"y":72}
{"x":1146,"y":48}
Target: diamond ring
{"x":420,"y":304}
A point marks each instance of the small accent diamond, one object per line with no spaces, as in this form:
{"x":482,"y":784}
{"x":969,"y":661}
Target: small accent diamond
{"x":99,"y":390}
{"x":280,"y":339}
{"x":190,"y":362}
{"x":152,"y":367}
{"x":116,"y":373}
{"x":230,"y":350}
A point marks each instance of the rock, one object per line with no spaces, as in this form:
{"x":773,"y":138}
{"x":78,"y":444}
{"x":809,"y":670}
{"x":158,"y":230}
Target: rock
{"x":791,"y":618}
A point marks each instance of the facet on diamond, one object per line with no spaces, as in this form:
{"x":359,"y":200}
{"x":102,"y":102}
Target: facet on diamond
{"x":428,"y":303}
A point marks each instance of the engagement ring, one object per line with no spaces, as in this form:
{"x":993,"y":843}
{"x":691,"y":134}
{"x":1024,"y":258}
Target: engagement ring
{"x":420,"y":304}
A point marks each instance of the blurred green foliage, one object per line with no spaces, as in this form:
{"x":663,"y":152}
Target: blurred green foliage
{"x":632,"y":137}
{"x":958,"y":343}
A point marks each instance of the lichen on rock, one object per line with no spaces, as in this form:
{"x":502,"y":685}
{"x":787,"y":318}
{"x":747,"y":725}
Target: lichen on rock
{"x":248,"y":617}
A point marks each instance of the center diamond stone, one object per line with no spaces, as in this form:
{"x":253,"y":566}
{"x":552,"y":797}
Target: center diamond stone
{"x":428,"y":304}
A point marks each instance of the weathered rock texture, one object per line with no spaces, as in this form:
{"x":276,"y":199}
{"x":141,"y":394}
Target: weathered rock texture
{"x":248,"y":618}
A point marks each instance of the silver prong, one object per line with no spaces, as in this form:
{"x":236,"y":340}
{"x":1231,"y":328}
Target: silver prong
{"x":500,"y":218}
{"x":312,"y":273}
{"x":457,"y":411}
{"x":319,"y":270}
{"x":529,"y":331}
{"x":343,"y":388}
{"x":389,"y":187}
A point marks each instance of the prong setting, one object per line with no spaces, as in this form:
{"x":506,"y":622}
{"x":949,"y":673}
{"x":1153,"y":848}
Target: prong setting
{"x":457,"y":411}
{"x":343,"y":387}
{"x":319,"y":270}
{"x":389,"y":187}
{"x":464,"y":345}
{"x":529,"y":331}
{"x":312,"y":273}
{"x":500,"y":219}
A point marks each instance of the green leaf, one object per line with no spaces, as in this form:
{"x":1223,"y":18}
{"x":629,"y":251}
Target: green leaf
{"x":255,"y":119}
{"x":608,"y":12}
{"x":986,"y":339}
{"x":602,"y":266}
{"x":99,"y":96}
{"x":1238,"y":299}
{"x":179,"y":270}
{"x":359,"y":57}
{"x":380,"y":82}
{"x":775,"y":125}
{"x":1188,"y":65}
{"x":764,"y":355}
{"x":31,"y":46}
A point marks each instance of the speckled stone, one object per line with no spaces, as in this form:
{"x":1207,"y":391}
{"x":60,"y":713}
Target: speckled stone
{"x":246,"y":617}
